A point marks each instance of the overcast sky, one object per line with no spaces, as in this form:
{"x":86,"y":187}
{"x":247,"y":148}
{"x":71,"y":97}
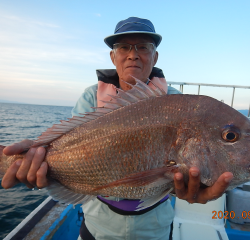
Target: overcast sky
{"x":49,"y":50}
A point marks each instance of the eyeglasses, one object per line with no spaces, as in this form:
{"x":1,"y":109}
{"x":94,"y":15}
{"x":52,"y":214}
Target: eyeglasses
{"x":125,"y":48}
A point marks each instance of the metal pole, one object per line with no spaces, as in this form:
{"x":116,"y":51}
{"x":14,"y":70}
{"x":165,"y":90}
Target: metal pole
{"x":181,"y":88}
{"x":248,"y":111}
{"x":233,"y":97}
{"x":199,"y":89}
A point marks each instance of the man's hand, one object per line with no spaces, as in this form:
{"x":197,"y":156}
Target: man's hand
{"x":31,"y":170}
{"x":193,"y":193}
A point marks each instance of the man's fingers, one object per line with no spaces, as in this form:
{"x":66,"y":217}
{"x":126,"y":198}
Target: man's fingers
{"x":9,"y":180}
{"x":17,"y":148}
{"x":30,"y":170}
{"x":193,"y":184}
{"x":35,"y":165}
{"x":22,"y":172}
{"x":219,"y":187}
{"x":180,"y":189}
{"x":193,"y":193}
{"x":42,"y":181}
{"x":189,"y":193}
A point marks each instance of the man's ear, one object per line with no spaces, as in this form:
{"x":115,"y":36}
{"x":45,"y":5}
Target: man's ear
{"x":155,"y":57}
{"x":112,"y":56}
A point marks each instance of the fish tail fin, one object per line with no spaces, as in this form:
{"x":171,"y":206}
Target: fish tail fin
{"x":1,"y":162}
{"x":1,"y":150}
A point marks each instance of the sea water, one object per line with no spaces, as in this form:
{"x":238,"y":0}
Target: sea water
{"x":18,"y":122}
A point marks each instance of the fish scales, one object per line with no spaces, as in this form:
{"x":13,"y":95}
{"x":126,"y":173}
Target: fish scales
{"x":123,"y":153}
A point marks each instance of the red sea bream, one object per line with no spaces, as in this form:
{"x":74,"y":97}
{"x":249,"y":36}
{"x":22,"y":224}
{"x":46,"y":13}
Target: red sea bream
{"x":132,"y":147}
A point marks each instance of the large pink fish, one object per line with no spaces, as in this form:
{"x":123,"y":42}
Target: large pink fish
{"x":132,"y":147}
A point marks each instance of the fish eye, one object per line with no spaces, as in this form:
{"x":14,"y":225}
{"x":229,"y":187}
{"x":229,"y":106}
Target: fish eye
{"x":230,"y":134}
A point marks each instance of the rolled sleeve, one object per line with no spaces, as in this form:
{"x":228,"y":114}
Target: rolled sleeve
{"x":86,"y":101}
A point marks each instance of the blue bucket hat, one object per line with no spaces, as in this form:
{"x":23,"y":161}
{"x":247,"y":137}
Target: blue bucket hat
{"x":133,"y":25}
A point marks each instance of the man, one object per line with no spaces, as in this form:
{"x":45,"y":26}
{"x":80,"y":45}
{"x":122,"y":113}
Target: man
{"x":133,"y":54}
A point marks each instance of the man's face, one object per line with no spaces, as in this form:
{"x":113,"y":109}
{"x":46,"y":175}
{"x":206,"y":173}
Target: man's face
{"x":133,"y":63}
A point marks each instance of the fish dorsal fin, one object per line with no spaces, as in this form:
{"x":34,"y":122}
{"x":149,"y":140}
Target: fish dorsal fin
{"x":138,"y":92}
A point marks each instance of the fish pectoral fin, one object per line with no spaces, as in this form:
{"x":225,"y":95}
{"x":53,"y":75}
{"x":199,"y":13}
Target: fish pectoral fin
{"x":149,"y":177}
{"x":64,"y":195}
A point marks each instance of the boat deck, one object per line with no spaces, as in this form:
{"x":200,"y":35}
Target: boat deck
{"x":46,"y":222}
{"x":54,"y":221}
{"x":240,"y":227}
